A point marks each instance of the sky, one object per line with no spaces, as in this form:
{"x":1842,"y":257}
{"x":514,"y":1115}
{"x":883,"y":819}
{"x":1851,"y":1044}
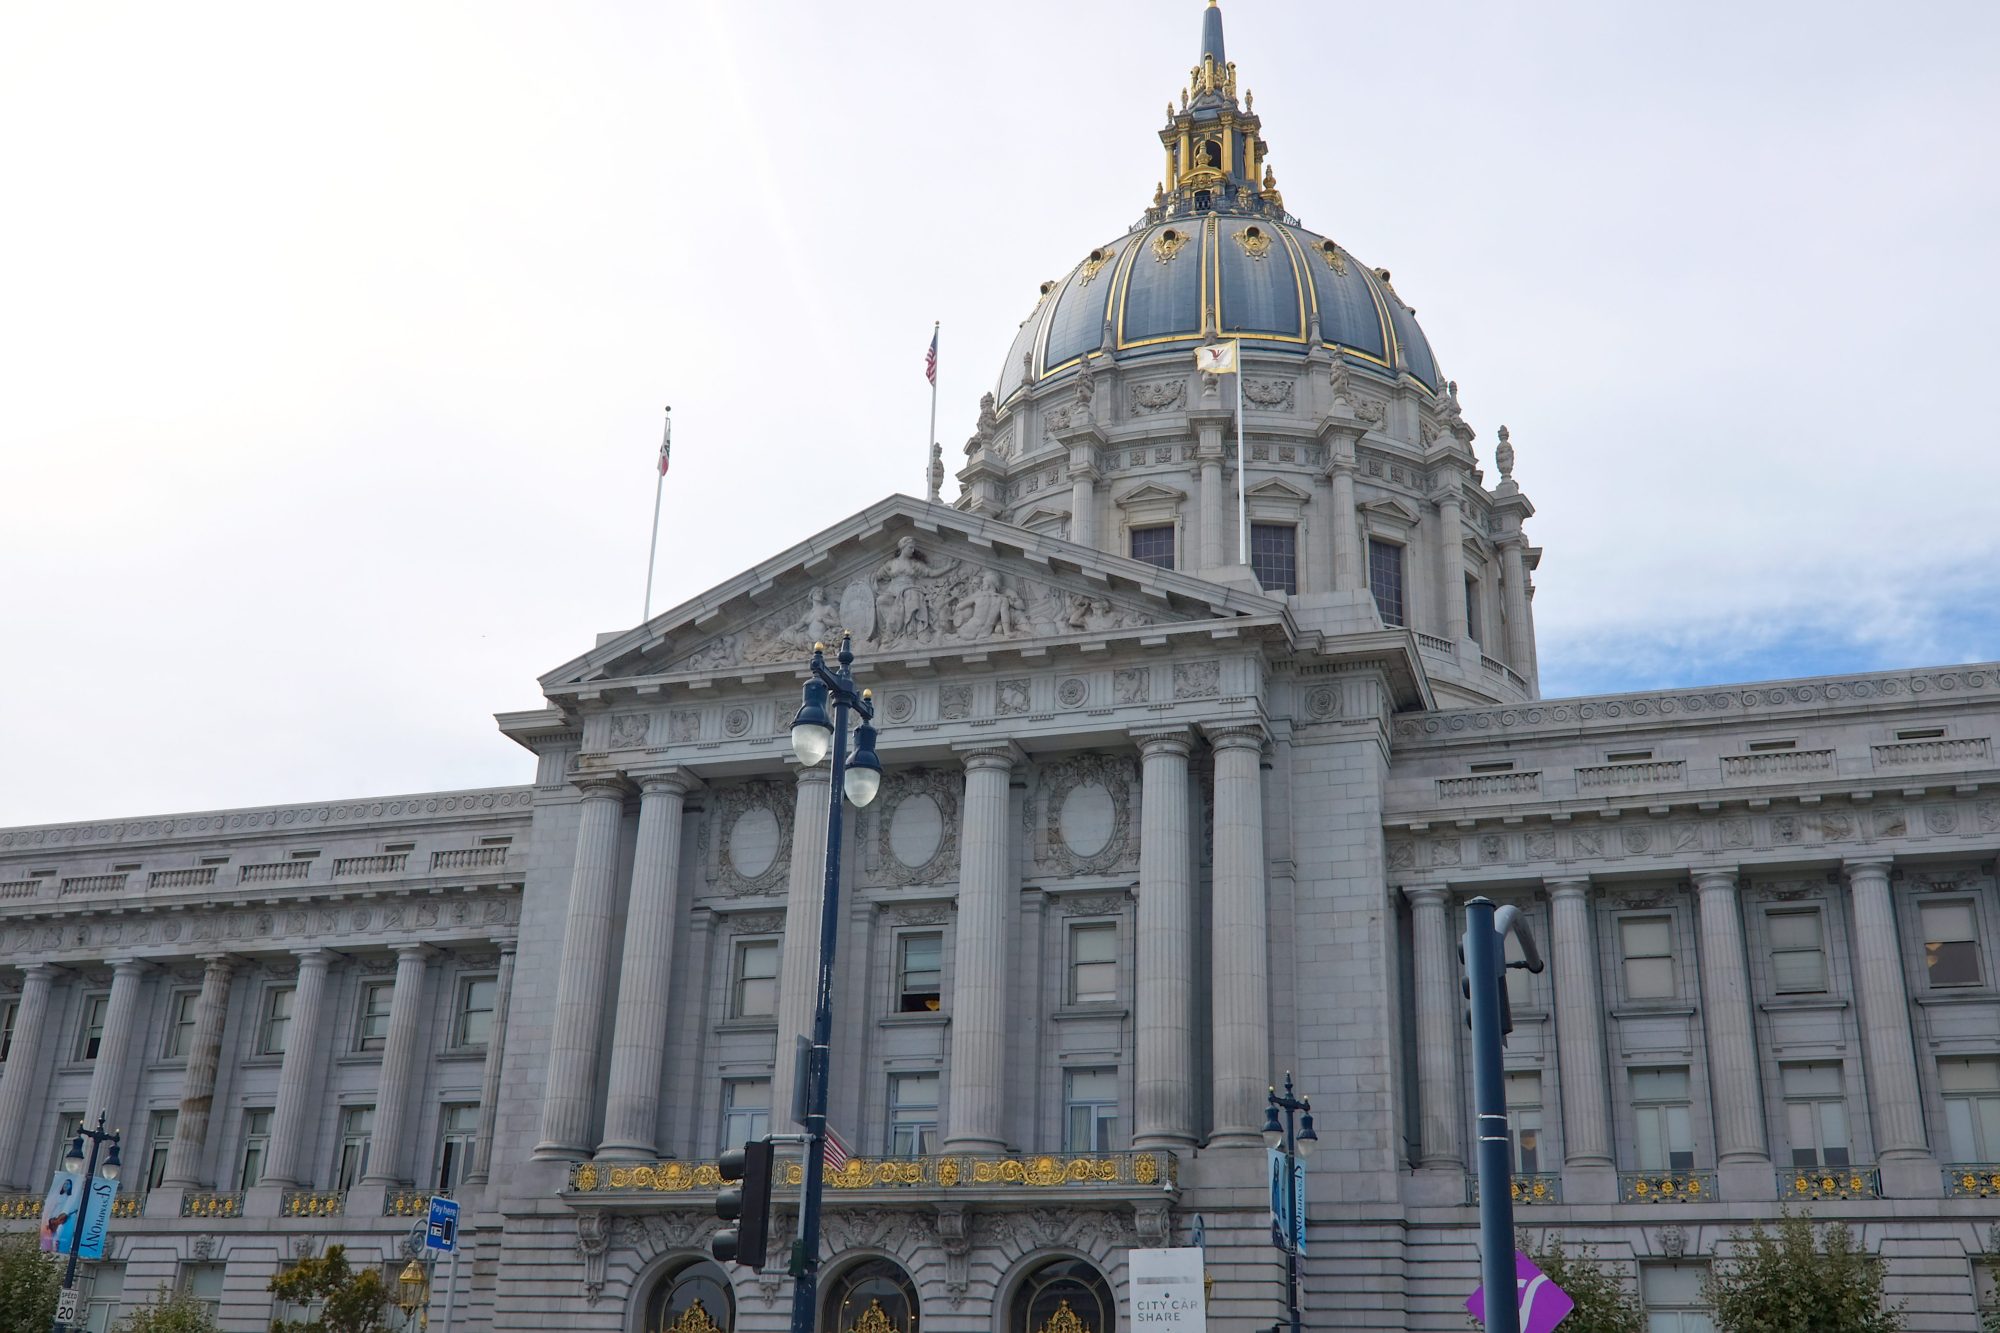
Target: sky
{"x":334,"y":339}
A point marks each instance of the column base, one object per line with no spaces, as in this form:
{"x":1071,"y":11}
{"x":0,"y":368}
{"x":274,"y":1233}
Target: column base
{"x":1914,"y":1177}
{"x":975,"y":1145}
{"x":1747,"y":1180}
{"x":1590,"y":1182}
{"x":1436,"y":1186}
{"x":1236,"y":1138}
{"x":1180,"y":1143}
{"x":626,"y":1152}
{"x":559,"y":1152}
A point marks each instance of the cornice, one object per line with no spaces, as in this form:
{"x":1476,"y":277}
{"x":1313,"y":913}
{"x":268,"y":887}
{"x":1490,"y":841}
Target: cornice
{"x":208,"y":824}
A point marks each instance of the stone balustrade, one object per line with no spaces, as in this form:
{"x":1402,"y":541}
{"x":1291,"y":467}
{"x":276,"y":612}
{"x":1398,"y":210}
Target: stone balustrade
{"x":19,"y":888}
{"x":77,"y":885}
{"x":1929,"y":754}
{"x":187,"y":877}
{"x":1637,"y":773}
{"x":274,"y":872}
{"x":1478,"y":785}
{"x":1435,"y":643}
{"x":469,"y":858}
{"x":1772,"y":765}
{"x":387,"y":863}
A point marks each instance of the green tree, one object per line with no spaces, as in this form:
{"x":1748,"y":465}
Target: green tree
{"x":1603,"y":1303}
{"x":348,"y":1301}
{"x":170,"y":1312}
{"x":1989,"y":1319}
{"x":29,"y":1282}
{"x":1799,"y":1279}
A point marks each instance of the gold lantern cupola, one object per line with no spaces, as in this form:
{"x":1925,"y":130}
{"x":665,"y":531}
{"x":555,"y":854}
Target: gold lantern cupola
{"x":1214,"y":149}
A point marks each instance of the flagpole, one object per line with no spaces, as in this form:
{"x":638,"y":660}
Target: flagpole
{"x":936,"y":326}
{"x":659,"y":488}
{"x":1242,"y":466}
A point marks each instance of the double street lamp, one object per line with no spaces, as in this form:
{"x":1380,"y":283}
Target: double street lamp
{"x":858,"y":776}
{"x":76,"y":1159}
{"x":1295,"y":1138}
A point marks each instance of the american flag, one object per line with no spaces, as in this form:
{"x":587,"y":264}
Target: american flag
{"x":667,"y":443}
{"x":930,"y":360}
{"x":833,"y":1150}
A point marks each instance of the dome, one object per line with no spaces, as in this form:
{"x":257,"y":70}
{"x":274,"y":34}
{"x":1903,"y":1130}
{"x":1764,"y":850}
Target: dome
{"x":1162,"y":287}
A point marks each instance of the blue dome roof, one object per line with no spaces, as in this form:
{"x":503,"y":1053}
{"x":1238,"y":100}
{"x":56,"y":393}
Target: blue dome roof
{"x":1270,"y":282}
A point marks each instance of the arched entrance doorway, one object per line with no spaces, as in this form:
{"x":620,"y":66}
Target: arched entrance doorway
{"x":1063,"y":1296}
{"x":875,"y":1296}
{"x":693,"y":1297}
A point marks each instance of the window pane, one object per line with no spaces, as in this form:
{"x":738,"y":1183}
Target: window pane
{"x":1656,"y":1085}
{"x":1795,"y":930}
{"x":1960,"y":1117}
{"x":1385,"y":580}
{"x":1645,"y":937}
{"x":1947,"y":921}
{"x":1095,"y":944}
{"x":1969,"y":1075}
{"x":1649,"y":978}
{"x":1096,"y":983}
{"x":1799,"y":970}
{"x":1811,"y":1080}
{"x":1987,"y":1118}
{"x":1093,"y":1085}
{"x":1274,"y":556}
{"x":760,"y":959}
{"x":1155,"y":546}
{"x":1953,"y":963}
{"x":1650,"y":1144}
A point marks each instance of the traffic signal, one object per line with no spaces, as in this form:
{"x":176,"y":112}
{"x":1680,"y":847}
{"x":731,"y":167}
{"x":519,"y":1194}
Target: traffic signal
{"x":1506,"y":1001}
{"x":746,"y":1204}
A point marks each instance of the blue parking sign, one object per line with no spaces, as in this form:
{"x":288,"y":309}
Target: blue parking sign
{"x":442,"y":1231}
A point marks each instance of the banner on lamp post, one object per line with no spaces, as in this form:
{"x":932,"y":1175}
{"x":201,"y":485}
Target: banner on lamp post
{"x":63,"y":1211}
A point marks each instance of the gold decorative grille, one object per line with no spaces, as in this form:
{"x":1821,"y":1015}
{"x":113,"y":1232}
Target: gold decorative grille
{"x":1033,"y":1171}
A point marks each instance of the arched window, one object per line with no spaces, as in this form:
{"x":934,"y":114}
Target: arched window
{"x":1066,"y":1296}
{"x":874,"y":1297}
{"x":694,"y":1298}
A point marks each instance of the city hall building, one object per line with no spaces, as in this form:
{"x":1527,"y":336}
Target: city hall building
{"x":1157,"y":826}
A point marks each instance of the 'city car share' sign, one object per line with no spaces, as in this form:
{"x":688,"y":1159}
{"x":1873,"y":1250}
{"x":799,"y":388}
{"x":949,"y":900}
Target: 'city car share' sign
{"x":1167,"y":1291}
{"x":1543,"y":1303}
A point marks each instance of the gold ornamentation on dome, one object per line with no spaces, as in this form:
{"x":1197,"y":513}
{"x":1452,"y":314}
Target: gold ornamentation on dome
{"x":873,"y":1320}
{"x":1065,"y":1320}
{"x":1094,"y":263}
{"x":1168,"y":244}
{"x":1255,"y":241}
{"x":1334,"y":259}
{"x":695,"y":1319}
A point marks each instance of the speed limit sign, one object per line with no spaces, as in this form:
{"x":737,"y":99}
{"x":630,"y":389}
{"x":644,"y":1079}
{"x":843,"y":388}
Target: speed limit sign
{"x":66,"y":1306}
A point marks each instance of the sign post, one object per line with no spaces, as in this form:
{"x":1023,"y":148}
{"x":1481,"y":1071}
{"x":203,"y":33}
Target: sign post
{"x":1542,"y":1304}
{"x":1167,"y":1292}
{"x":441,"y":1233}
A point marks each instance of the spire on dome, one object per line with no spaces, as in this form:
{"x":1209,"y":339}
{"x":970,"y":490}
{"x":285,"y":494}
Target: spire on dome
{"x":1215,"y":157}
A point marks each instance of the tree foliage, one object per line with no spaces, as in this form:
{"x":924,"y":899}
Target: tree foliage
{"x":1604,"y":1304}
{"x":348,"y":1301}
{"x":29,"y":1282}
{"x":1799,"y":1279}
{"x":1989,"y":1319}
{"x":171,"y":1311}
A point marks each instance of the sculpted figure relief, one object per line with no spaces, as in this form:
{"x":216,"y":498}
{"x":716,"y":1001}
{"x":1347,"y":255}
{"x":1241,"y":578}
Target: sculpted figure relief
{"x":988,"y":611}
{"x":904,"y":592}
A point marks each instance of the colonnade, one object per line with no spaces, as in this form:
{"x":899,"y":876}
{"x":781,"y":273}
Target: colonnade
{"x":978,"y":1077}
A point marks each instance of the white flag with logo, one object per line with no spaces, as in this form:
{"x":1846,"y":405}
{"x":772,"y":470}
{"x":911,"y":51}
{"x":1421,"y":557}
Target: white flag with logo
{"x":1216,"y":358}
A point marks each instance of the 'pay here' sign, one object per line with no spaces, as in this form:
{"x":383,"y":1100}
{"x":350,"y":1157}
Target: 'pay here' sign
{"x":1167,"y":1291}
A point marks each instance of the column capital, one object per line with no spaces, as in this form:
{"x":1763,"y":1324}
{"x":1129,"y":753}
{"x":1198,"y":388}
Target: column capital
{"x":1424,"y":895}
{"x":1234,"y":735}
{"x":1719,"y":879}
{"x":219,"y":964}
{"x":505,"y":943}
{"x":672,"y":781}
{"x":314,"y":955}
{"x":1578,"y":887}
{"x":602,"y":786}
{"x":129,"y":967}
{"x":988,"y":754}
{"x":1164,"y":740}
{"x":818,"y":774}
{"x":1870,"y":866}
{"x":408,"y":950}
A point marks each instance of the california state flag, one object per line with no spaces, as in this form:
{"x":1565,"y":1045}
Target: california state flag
{"x":1216,"y":358}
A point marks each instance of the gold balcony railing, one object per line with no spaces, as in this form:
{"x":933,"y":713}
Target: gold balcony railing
{"x":1666,"y":1186}
{"x":1813,"y":1184}
{"x":406,"y":1203}
{"x":128,"y":1205}
{"x":212,"y":1204}
{"x":1027,"y":1171}
{"x":1527,"y":1190}
{"x":1964,"y":1180}
{"x":15,"y":1207}
{"x":313,"y":1203}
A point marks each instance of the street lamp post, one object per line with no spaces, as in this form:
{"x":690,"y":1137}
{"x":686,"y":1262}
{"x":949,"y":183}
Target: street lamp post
{"x":73,"y":1159}
{"x":858,"y":778}
{"x":1296,"y":1140}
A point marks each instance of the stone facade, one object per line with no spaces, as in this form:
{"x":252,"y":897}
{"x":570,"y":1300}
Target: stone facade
{"x":1156,"y":826}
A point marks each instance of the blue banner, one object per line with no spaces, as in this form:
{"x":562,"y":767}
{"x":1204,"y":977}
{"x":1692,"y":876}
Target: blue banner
{"x":60,"y":1214}
{"x":1290,"y":1236}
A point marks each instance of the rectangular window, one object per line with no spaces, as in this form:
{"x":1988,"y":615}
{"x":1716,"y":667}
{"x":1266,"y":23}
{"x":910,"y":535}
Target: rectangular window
{"x":1274,"y":556}
{"x":1798,"y":951}
{"x":1524,"y":1119}
{"x":1647,"y":945}
{"x":1770,"y":747}
{"x":920,"y":972}
{"x":100,"y":1287}
{"x":1673,"y":1299}
{"x":458,"y":1140}
{"x":1154,"y":546}
{"x":376,"y":999}
{"x":1627,"y":756}
{"x":1815,"y":1114}
{"x":1093,"y":964}
{"x":256,"y":1148}
{"x":1472,"y":608}
{"x":473,"y":1027}
{"x":1951,"y":943}
{"x":1385,"y":580}
{"x":277,"y":1020}
{"x":1972,"y":1108}
{"x":1090,"y":1110}
{"x":160,"y":1128}
{"x":913,"y":1114}
{"x":1663,"y":1119}
{"x":90,"y":1033}
{"x":204,"y":1283}
{"x":68,"y":1125}
{"x":746,"y":1110}
{"x":1921,"y":734}
{"x":7,"y":1012}
{"x":357,"y":1132}
{"x":756,"y":986}
{"x":181,"y":1011}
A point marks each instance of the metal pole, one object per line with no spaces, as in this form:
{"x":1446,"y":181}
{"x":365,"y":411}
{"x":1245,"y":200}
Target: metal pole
{"x":451,"y":1282}
{"x":805,"y":1287}
{"x":935,"y":330}
{"x":1292,"y":1227}
{"x":96,"y":1137}
{"x":1489,"y":1094}
{"x":1242,"y":466}
{"x":653,"y":547}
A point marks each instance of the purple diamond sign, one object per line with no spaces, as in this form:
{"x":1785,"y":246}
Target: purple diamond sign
{"x":1543,"y":1303}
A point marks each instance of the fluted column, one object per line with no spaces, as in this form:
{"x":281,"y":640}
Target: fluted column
{"x":1240,"y":1005}
{"x":639,"y":1036}
{"x":798,"y":960}
{"x":22,"y":1078}
{"x":1211,"y":504}
{"x":109,"y":1079}
{"x":496,"y":1055}
{"x":586,"y":954}
{"x":980,"y":965}
{"x":1350,"y":573}
{"x":1442,"y":1110}
{"x":1885,"y":1015}
{"x":1732,"y":1043}
{"x":1514,"y":571}
{"x":389,"y":1153}
{"x":1451,"y":558}
{"x":1083,"y":504}
{"x":296,"y":1103}
{"x":1164,"y":1106}
{"x":198,"y":1083}
{"x":1586,"y":1127}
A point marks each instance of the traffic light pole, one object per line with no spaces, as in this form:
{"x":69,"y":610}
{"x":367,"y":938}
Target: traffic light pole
{"x":1486,"y":931}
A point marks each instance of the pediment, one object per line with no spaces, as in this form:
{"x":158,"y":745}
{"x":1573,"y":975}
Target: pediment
{"x":909,"y":579}
{"x":1150,"y":493}
{"x":1390,"y":511}
{"x":1277,"y":488}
